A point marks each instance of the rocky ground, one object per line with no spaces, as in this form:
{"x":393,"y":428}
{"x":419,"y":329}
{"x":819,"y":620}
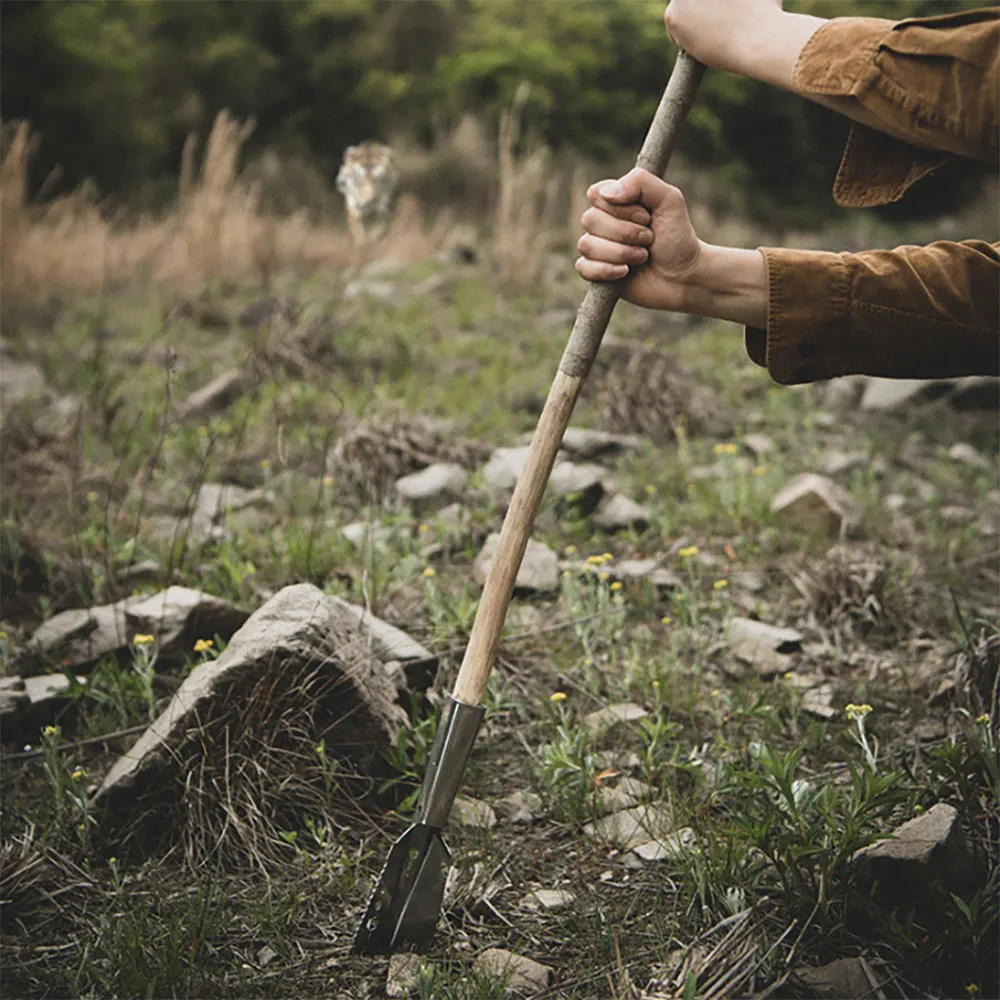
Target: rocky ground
{"x":741,"y":734}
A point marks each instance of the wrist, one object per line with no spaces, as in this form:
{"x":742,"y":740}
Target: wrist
{"x":728,"y":283}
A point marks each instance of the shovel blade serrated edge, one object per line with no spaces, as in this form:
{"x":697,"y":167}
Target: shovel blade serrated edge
{"x":404,"y":906}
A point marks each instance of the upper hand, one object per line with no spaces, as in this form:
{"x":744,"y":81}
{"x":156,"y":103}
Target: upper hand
{"x":638,"y":228}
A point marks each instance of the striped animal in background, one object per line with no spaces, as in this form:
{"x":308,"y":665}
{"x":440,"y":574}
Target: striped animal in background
{"x":367,"y":180}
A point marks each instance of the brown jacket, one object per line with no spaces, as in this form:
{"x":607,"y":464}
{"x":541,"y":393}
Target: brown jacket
{"x":912,"y":312}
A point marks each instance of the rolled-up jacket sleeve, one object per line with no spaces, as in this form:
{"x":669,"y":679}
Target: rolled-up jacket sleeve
{"x":912,"y":312}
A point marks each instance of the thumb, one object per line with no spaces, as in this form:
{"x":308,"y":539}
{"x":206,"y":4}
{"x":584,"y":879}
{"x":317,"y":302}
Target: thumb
{"x":638,"y":186}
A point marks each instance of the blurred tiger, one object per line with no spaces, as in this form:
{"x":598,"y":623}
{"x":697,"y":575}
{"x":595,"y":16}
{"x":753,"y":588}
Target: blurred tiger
{"x":367,"y":180}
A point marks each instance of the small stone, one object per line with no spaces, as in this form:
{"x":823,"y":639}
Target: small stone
{"x":748,"y":580}
{"x":20,"y":381}
{"x":378,"y":291}
{"x":439,"y":483}
{"x":360,"y":533}
{"x":504,"y":467}
{"x":145,"y":571}
{"x":782,"y":640}
{"x":548,"y":899}
{"x":673,"y":847}
{"x":624,"y":794}
{"x":817,"y":503}
{"x":215,"y":395}
{"x":45,"y":687}
{"x":586,"y":443}
{"x":886,"y":395}
{"x":578,"y":485}
{"x":843,"y":979}
{"x":894,"y":503}
{"x":631,"y":827}
{"x":956,"y":514}
{"x":266,"y":956}
{"x":758,"y":444}
{"x":818,"y":701}
{"x":963,"y":452}
{"x":842,"y":393}
{"x":835,"y":462}
{"x":539,"y":569}
{"x":610,"y":715}
{"x":519,"y":807}
{"x":632,"y":570}
{"x":622,"y":512}
{"x":404,"y":967}
{"x":520,"y":974}
{"x":473,"y":812}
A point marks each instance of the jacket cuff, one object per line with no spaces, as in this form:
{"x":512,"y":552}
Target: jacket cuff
{"x":839,"y":61}
{"x":808,"y":317}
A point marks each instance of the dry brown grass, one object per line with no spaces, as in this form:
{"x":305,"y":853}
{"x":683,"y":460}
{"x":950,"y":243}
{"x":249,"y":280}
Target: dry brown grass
{"x":217,"y":231}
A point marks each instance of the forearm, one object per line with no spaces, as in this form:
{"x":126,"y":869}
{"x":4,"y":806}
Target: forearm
{"x":728,"y":283}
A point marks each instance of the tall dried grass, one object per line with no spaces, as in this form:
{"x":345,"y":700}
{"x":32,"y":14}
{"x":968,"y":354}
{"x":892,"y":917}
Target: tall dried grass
{"x":217,"y":231}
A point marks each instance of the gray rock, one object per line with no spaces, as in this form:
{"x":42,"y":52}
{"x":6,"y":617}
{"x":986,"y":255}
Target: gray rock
{"x":894,"y":502}
{"x":216,"y":504}
{"x":584,"y":443}
{"x":504,"y":467}
{"x":13,"y":700}
{"x":80,"y":637}
{"x":632,"y":570}
{"x":843,"y":979}
{"x":963,"y":452}
{"x":886,"y":395}
{"x":581,"y":485}
{"x":759,"y":444}
{"x":404,"y":968}
{"x":294,"y":627}
{"x":145,"y":571}
{"x":59,"y":417}
{"x":817,"y":503}
{"x":631,"y":827}
{"x":359,"y":533}
{"x":611,"y":715}
{"x":179,"y":616}
{"x":520,"y":974}
{"x":834,"y":462}
{"x":621,"y":512}
{"x":473,"y":812}
{"x":783,"y":640}
{"x":215,"y":395}
{"x":539,"y":570}
{"x":20,"y":381}
{"x":435,"y":485}
{"x":624,"y":794}
{"x":45,"y":687}
{"x":550,"y":900}
{"x":672,"y":847}
{"x":926,"y":850}
{"x":818,"y":701}
{"x":519,"y":807}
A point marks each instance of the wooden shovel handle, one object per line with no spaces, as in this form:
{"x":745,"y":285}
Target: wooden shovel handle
{"x":588,"y":330}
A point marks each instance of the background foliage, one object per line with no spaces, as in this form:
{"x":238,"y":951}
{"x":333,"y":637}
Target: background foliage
{"x":114,"y":86}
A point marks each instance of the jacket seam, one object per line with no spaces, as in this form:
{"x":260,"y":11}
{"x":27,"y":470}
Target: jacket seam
{"x":918,"y":319}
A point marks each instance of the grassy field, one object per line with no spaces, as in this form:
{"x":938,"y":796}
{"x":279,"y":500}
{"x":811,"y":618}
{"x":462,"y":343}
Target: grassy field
{"x":777,"y":797}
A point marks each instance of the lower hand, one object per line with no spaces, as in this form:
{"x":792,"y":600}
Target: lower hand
{"x":638,"y":228}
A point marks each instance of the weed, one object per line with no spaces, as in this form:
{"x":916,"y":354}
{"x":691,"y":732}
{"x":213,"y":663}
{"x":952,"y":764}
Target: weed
{"x":567,"y":768}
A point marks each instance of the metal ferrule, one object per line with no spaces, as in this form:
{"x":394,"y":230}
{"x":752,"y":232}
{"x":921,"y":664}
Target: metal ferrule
{"x":455,"y":737}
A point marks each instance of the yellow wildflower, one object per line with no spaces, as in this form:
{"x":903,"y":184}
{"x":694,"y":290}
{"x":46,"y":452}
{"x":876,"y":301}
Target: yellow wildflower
{"x":328,"y":481}
{"x":687,"y":553}
{"x":856,"y":712}
{"x":594,"y":560}
{"x":666,"y":620}
{"x":983,"y":720}
{"x":429,"y":572}
{"x":617,"y":585}
{"x":79,"y":774}
{"x":50,"y":731}
{"x":728,"y":448}
{"x":557,"y":696}
{"x":789,"y":675}
{"x":3,"y":635}
{"x":720,"y":584}
{"x":618,"y":600}
{"x":423,"y":528}
{"x":92,"y":496}
{"x":142,"y":639}
{"x":650,"y":489}
{"x":603,"y":576}
{"x":607,"y":557}
{"x":265,"y":464}
{"x":203,"y":645}
{"x":656,"y":685}
{"x":972,"y":989}
{"x":570,"y":550}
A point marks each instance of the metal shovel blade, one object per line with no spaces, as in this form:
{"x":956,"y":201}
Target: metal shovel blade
{"x":403,"y":909}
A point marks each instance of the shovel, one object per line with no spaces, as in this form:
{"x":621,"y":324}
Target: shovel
{"x":404,"y":907}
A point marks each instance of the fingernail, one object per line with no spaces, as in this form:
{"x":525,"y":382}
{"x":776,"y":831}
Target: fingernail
{"x":612,"y":189}
{"x":645,"y":236}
